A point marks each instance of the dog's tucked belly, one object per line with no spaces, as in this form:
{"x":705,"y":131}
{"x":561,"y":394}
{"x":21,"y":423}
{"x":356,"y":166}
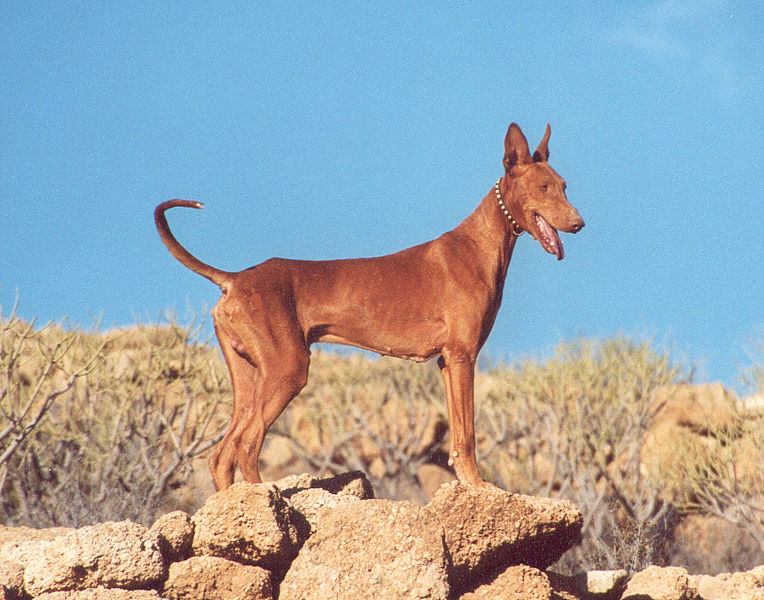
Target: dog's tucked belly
{"x":384,"y":341}
{"x":409,"y":353}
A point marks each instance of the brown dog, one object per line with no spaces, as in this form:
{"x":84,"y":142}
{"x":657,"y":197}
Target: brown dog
{"x":436,"y":299}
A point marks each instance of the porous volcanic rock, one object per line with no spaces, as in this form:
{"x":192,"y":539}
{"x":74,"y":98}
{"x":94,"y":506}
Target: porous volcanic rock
{"x":119,"y":555}
{"x":373,"y":549}
{"x":748,"y":585}
{"x":18,"y":545}
{"x":311,"y":496}
{"x":175,"y":532}
{"x":17,"y":535}
{"x":215,"y":578}
{"x":488,"y":530}
{"x":660,"y":583}
{"x":352,"y":483}
{"x":101,"y":593}
{"x":591,"y":585}
{"x":11,"y":579}
{"x":606,"y":584}
{"x":516,"y":583}
{"x":312,"y":503}
{"x":251,"y":524}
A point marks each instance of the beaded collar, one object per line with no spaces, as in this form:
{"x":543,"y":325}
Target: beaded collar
{"x":516,"y":229}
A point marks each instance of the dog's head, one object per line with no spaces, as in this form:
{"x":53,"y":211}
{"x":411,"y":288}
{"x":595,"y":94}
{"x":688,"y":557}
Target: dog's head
{"x":536,"y":198}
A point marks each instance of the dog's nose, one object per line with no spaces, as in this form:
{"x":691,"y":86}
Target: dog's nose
{"x":577,"y":225}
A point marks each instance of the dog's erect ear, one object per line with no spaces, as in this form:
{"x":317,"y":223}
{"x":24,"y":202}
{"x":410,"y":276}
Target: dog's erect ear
{"x":515,"y":148}
{"x":542,"y":152}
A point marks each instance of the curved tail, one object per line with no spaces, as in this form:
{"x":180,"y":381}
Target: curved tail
{"x":179,"y":252}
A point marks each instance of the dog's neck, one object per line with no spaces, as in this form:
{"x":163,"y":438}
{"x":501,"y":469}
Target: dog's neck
{"x":516,"y":229}
{"x":492,"y":222}
{"x":492,"y":234}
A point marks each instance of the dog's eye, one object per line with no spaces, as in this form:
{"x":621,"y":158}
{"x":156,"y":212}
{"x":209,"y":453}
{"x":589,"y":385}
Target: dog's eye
{"x":543,"y":187}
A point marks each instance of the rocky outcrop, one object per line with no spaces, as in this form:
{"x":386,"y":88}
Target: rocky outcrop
{"x":373,"y":549}
{"x":101,"y":593}
{"x":688,"y":417}
{"x":487,"y":530}
{"x":519,"y":582}
{"x":731,"y":586}
{"x":304,"y":537}
{"x":669,"y":583}
{"x":214,"y":578}
{"x":249,"y":524}
{"x":312,"y":496}
{"x":120,"y":555}
{"x":175,"y":534}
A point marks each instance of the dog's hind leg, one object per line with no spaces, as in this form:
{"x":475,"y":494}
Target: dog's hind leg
{"x":282,"y":373}
{"x":243,"y":377}
{"x":268,"y":359}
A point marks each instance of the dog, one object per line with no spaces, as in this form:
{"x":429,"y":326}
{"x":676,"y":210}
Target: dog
{"x":437,"y":299}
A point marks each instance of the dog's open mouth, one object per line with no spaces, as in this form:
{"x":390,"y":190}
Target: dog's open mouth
{"x":547,"y":236}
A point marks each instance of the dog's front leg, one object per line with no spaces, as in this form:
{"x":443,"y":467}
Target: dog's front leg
{"x":458,"y":370}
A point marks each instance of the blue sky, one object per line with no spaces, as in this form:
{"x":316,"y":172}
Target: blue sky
{"x":328,"y":130}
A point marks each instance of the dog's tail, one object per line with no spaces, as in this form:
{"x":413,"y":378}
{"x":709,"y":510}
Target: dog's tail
{"x":184,"y":256}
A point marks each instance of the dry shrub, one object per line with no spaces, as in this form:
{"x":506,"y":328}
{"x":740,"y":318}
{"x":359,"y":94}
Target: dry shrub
{"x":722,"y":475}
{"x":384,"y":417}
{"x":98,"y":427}
{"x":572,"y":427}
{"x":716,"y":478}
{"x":753,"y":375}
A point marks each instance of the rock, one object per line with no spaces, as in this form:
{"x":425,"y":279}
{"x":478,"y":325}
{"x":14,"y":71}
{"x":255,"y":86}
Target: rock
{"x":16,"y":535}
{"x":294,"y":483}
{"x":101,"y":593}
{"x":121,"y":555}
{"x":175,"y":532}
{"x":660,"y":583}
{"x":11,"y":579}
{"x":15,"y":554}
{"x":698,"y":407}
{"x":606,"y":584}
{"x":214,"y":578}
{"x":353,"y":483}
{"x":249,"y":523}
{"x":592,"y":585}
{"x":729,"y":586}
{"x":313,"y":502}
{"x":516,"y":583}
{"x":373,"y":549}
{"x":488,"y":530}
{"x":312,"y":495}
{"x":18,"y":545}
{"x":684,"y":417}
{"x":758,"y":572}
{"x":711,"y":544}
{"x":21,"y":553}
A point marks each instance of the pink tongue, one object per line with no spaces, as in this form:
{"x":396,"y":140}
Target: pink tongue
{"x":549,"y":238}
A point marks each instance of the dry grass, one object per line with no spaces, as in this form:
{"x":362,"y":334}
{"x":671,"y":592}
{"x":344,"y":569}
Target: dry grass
{"x":572,"y":427}
{"x":102,"y":426}
{"x":97,"y":426}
